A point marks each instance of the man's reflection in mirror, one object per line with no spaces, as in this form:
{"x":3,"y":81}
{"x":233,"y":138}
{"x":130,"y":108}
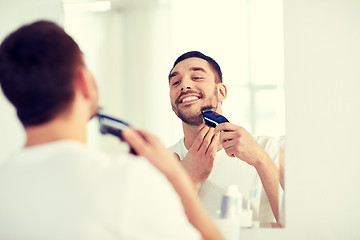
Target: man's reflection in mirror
{"x":228,"y":154}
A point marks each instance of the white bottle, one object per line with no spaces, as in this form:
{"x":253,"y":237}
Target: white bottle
{"x":229,"y":222}
{"x":231,"y":203}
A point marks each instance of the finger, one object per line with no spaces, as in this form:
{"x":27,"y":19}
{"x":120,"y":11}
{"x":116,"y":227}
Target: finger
{"x":229,"y":127}
{"x":135,"y":140}
{"x":226,"y":126}
{"x":226,"y":144}
{"x":207,"y":140}
{"x":227,"y":136}
{"x":230,"y":151}
{"x":213,"y":146}
{"x":199,"y":138}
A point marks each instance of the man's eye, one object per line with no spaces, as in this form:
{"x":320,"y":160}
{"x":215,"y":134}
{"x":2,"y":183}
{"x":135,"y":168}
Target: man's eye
{"x":176,"y":83}
{"x":196,"y":78}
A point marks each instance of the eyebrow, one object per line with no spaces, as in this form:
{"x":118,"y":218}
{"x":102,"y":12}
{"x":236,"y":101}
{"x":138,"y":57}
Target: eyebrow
{"x":193,"y":69}
{"x":171,"y":75}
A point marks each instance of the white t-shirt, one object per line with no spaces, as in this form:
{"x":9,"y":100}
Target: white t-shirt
{"x":232,"y":171}
{"x":64,"y":190}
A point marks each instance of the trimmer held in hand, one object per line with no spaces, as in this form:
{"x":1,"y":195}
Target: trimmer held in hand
{"x":113,"y":126}
{"x":211,"y":118}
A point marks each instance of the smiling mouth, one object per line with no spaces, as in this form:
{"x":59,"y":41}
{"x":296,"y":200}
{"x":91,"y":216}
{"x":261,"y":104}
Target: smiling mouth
{"x":189,"y":99}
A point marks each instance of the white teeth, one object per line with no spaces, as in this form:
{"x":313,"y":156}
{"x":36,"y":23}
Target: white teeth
{"x":189,"y":99}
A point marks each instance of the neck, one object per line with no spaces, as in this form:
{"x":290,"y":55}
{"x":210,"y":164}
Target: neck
{"x":190,"y":133}
{"x":60,"y":128}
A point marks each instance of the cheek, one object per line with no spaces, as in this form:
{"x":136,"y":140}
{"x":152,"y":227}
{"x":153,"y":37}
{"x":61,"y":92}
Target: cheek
{"x":172,"y":96}
{"x":211,"y":91}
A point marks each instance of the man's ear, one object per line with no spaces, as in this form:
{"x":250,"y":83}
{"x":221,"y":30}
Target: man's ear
{"x":222,"y":91}
{"x":82,"y":82}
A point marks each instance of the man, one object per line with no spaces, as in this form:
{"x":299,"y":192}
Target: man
{"x":216,"y":158}
{"x":56,"y":187}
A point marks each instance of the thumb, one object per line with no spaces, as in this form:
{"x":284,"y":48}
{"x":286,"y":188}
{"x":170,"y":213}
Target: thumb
{"x":135,"y":140}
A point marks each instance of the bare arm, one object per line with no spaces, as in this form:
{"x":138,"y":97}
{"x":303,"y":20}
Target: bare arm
{"x":269,"y":175}
{"x":149,"y":146}
{"x":238,"y":142}
{"x":281,"y":165}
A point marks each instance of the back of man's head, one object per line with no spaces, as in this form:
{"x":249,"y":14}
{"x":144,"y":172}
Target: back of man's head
{"x":37,"y":68}
{"x":214,"y":65}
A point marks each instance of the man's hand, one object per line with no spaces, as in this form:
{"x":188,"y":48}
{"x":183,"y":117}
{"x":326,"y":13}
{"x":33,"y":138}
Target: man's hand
{"x":238,"y":142}
{"x":199,"y":160}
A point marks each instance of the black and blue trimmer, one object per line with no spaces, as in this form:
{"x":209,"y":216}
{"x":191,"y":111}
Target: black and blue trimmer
{"x":113,"y":126}
{"x":211,"y":118}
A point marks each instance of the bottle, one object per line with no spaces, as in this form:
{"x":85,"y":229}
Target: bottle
{"x":229,"y":222}
{"x":231,"y":203}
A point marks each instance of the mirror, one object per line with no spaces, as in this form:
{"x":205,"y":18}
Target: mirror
{"x":131,"y":45}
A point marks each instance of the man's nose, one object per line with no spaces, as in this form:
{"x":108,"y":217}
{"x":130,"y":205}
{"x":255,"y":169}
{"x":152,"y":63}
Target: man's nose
{"x":183,"y":88}
{"x":186,"y":84}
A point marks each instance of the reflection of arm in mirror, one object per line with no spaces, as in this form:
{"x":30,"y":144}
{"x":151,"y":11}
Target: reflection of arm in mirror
{"x":281,"y":168}
{"x":238,"y":142}
{"x":208,"y":154}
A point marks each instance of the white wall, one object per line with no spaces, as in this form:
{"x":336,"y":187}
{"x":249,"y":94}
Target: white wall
{"x":322,"y":77}
{"x":13,"y":14}
{"x":128,"y":50}
{"x":146,"y":58}
{"x":322,"y":57}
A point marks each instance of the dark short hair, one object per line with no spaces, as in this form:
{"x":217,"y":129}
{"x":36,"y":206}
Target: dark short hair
{"x":214,"y":65}
{"x":37,"y":69}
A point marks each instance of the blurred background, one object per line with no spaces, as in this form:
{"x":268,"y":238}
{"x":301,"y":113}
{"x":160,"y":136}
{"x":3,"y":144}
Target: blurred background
{"x":321,"y":67}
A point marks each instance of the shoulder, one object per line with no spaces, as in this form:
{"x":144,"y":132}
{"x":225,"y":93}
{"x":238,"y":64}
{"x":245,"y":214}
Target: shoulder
{"x":271,"y":145}
{"x":268,"y":142}
{"x":179,"y":148}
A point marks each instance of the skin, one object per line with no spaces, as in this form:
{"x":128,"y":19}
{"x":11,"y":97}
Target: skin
{"x":193,"y":80}
{"x":71,"y":124}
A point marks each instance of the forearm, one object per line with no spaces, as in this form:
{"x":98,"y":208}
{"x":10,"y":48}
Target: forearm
{"x":194,"y":209}
{"x":269,"y":176}
{"x":281,"y":167}
{"x":197,"y":186}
